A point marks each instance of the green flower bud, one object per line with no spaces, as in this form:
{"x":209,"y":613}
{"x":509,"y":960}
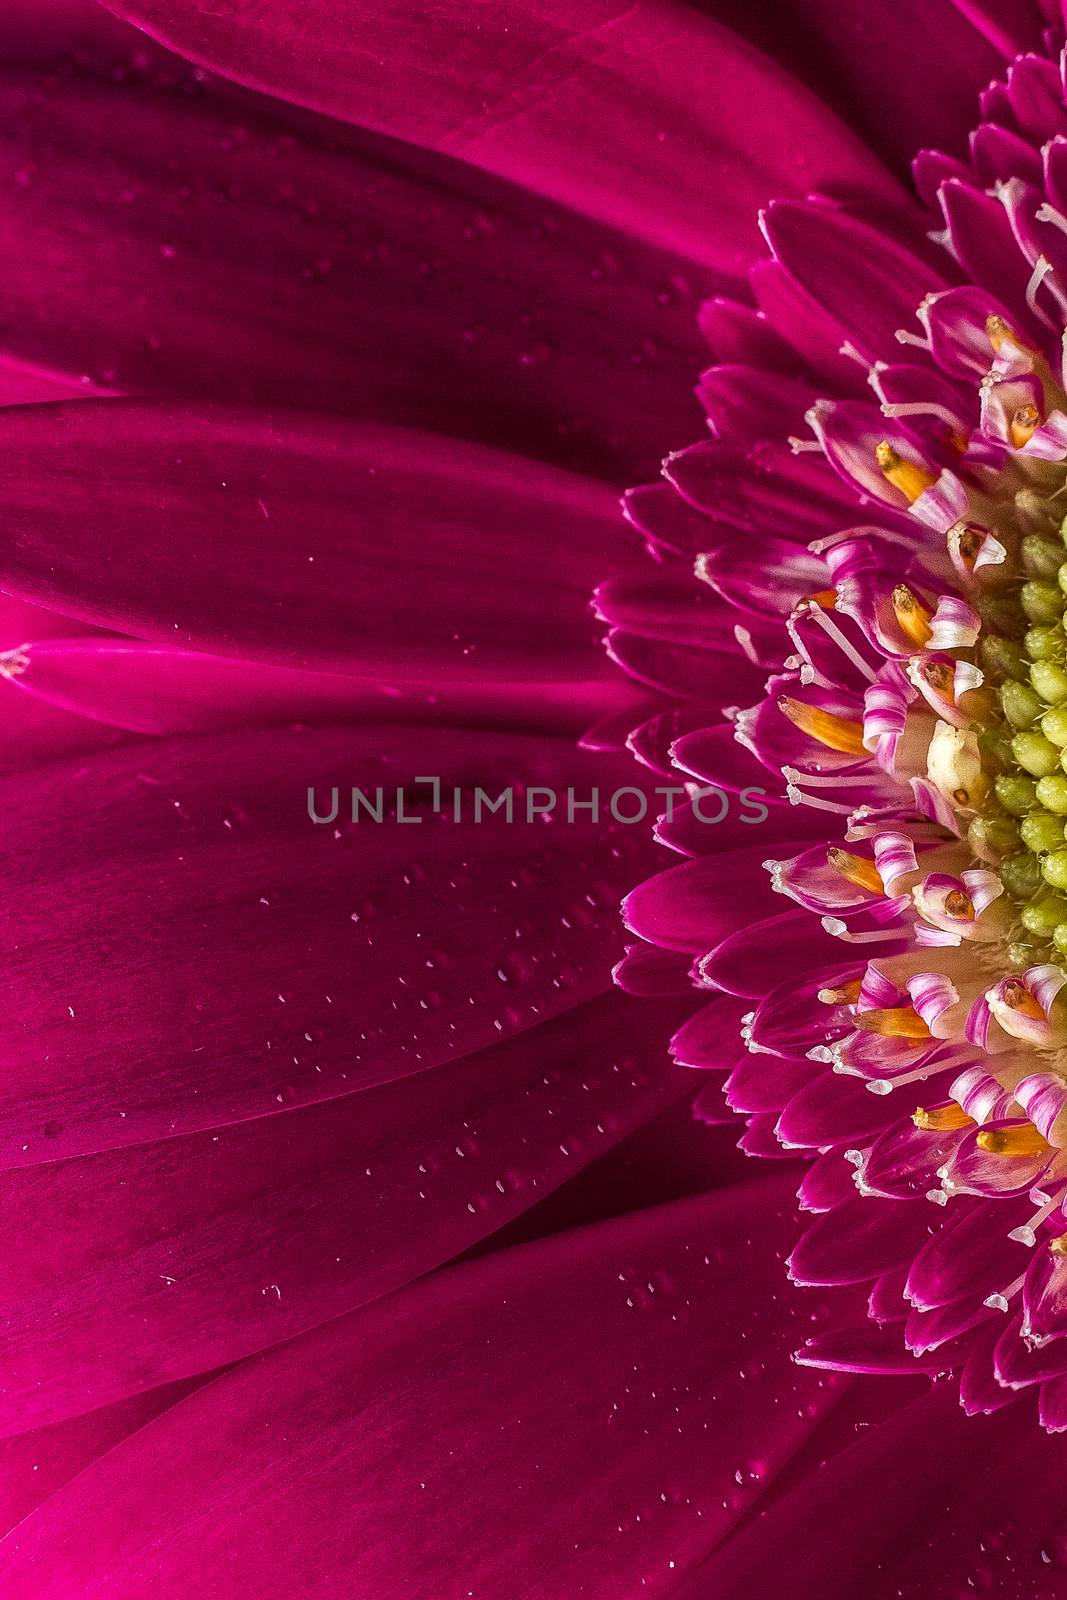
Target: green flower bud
{"x":1049,"y":680}
{"x":1041,"y":602}
{"x":1018,"y":794}
{"x":1042,"y":915}
{"x":1021,"y":876}
{"x":1035,"y":754}
{"x":1054,"y":869}
{"x":1043,"y":644}
{"x":1041,"y":558}
{"x":1042,"y":831}
{"x":1022,"y":706}
{"x":1052,"y":794}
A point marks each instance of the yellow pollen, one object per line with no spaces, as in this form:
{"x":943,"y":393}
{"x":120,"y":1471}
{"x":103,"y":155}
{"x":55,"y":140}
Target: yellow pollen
{"x":1024,"y":424}
{"x":1023,"y":1140}
{"x":942,"y":1119}
{"x":856,"y":869}
{"x":1018,"y":997}
{"x":846,"y":995}
{"x":962,"y":797}
{"x":969,"y":538}
{"x":941,"y":678}
{"x":899,"y":1022}
{"x":825,"y":599}
{"x":957,"y":904}
{"x":907,"y":476}
{"x":837,"y":733}
{"x":912,"y":615}
{"x":1058,"y":1245}
{"x":999,"y":333}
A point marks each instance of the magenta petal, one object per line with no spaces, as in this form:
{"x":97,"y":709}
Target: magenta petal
{"x":931,"y":1495}
{"x":244,"y":1237}
{"x":861,"y":277}
{"x":694,"y":906}
{"x":396,"y":552}
{"x":647,"y":1367}
{"x":650,"y":971}
{"x":793,"y":942}
{"x":827,"y":1181}
{"x":125,"y":257}
{"x":34,"y":1465}
{"x":861,"y":1239}
{"x":737,"y":333}
{"x":711,"y":1038}
{"x":669,"y":523}
{"x":867,"y":1347}
{"x":154,"y":689}
{"x":760,"y":1083}
{"x":998,"y":154}
{"x":1035,"y":86}
{"x":33,"y":732}
{"x":971,"y":1255}
{"x":668,"y":605}
{"x":1011,"y":26}
{"x":223,"y":957}
{"x":850,"y":56}
{"x":715,"y":677}
{"x":517,"y":92}
{"x":836,"y":1110}
{"x":769,"y":577}
{"x":743,"y":402}
{"x":716,"y":755}
{"x":1052,"y":1406}
{"x":763,"y":486}
{"x":983,"y":240}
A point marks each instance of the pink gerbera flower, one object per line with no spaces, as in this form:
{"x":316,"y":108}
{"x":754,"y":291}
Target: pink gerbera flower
{"x":341,"y":355}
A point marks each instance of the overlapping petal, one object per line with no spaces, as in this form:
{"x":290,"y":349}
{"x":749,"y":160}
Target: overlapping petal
{"x":547,"y":1410}
{"x":518,"y":93}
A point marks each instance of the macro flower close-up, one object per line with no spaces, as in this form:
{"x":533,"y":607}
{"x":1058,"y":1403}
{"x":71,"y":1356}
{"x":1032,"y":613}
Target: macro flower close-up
{"x":533,"y":683}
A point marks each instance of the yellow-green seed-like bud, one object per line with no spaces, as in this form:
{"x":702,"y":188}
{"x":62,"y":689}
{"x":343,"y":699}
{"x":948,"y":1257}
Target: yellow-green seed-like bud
{"x":1022,"y":705}
{"x":1054,"y":869}
{"x":1052,"y":794}
{"x":1041,"y":558}
{"x":1001,"y":658}
{"x":1054,"y":726}
{"x":1018,"y":794}
{"x":993,"y":838}
{"x":1043,"y":914}
{"x":1021,"y":956}
{"x":1021,"y":876}
{"x":1042,"y":831}
{"x":1041,"y":602}
{"x":1059,"y":938}
{"x":1035,"y":754}
{"x":1043,"y":644}
{"x":1049,"y":681}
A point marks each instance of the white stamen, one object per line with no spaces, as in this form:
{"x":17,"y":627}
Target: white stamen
{"x":814,"y":781}
{"x":1047,"y":213}
{"x":801,"y":446}
{"x":797,"y":797}
{"x":1027,"y":1233}
{"x":919,"y":408}
{"x":849,"y":349}
{"x":829,"y":627}
{"x":839,"y":930}
{"x":999,"y":1302}
{"x":904,"y":337}
{"x":1042,"y":268}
